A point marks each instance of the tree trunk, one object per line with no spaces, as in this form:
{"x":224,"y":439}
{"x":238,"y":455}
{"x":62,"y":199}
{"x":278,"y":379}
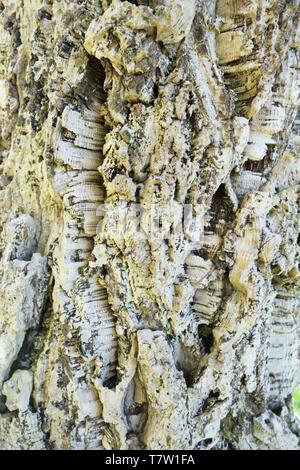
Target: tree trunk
{"x":150,"y":216}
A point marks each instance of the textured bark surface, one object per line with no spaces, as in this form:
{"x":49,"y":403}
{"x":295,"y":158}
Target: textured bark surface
{"x":131,"y":342}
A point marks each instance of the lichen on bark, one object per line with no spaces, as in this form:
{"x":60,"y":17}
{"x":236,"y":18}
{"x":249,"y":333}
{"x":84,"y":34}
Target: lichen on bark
{"x":129,"y":341}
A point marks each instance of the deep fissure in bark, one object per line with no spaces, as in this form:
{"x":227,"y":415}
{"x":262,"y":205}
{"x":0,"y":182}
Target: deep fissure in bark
{"x":126,"y":339}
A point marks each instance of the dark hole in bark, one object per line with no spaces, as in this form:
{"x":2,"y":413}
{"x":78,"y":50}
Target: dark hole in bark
{"x":111,"y":382}
{"x":277,"y":410}
{"x":259,"y":166}
{"x":187,"y":374}
{"x":206,"y":336}
{"x":155,"y":91}
{"x":243,"y":379}
{"x":3,"y":407}
{"x":201,"y":252}
{"x":220,"y":210}
{"x":91,"y":89}
{"x":186,"y":362}
{"x":206,"y":442}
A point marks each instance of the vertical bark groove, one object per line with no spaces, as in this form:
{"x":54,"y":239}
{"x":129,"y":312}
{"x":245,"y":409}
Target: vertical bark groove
{"x":120,"y":121}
